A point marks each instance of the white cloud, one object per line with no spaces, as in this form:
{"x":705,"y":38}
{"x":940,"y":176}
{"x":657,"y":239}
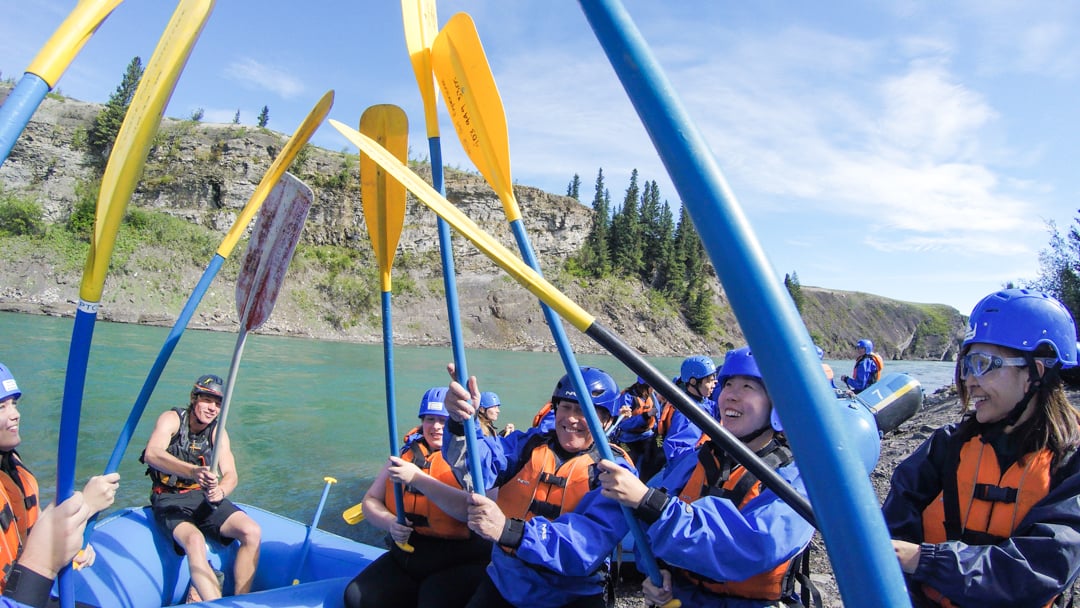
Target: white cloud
{"x":257,"y":75}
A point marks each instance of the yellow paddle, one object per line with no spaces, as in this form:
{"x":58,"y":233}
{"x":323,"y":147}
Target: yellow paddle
{"x":123,"y":170}
{"x":383,"y":201}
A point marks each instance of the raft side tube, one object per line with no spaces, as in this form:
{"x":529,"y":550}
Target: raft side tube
{"x":893,"y":400}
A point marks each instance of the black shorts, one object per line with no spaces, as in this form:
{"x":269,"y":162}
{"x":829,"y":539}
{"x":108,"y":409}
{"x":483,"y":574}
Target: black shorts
{"x":170,"y":510}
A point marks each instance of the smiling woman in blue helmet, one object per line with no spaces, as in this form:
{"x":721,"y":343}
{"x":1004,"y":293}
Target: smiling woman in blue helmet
{"x":728,"y":541}
{"x":986,"y":512}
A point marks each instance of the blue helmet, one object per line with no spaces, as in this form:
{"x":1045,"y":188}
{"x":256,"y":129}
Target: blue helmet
{"x":696,"y":366}
{"x":819,"y":351}
{"x":489,"y":399}
{"x":8,"y":388}
{"x":433,"y":403}
{"x":602,"y":387}
{"x":1023,"y":320}
{"x":867,"y":344}
{"x":739,"y":362}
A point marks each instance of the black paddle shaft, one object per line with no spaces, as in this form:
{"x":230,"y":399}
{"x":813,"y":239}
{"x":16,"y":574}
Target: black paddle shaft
{"x":723,"y":437}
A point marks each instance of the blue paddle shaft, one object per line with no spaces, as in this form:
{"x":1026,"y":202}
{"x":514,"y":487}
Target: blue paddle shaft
{"x":307,"y":537}
{"x":866,"y":568}
{"x":391,"y":402}
{"x":591,"y":418}
{"x":20,"y":105}
{"x":457,"y":342}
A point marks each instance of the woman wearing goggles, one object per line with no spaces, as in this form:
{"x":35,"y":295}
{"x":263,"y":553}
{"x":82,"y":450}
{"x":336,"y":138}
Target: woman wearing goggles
{"x":993,"y":497}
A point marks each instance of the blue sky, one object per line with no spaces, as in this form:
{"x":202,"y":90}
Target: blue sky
{"x":907,"y":148}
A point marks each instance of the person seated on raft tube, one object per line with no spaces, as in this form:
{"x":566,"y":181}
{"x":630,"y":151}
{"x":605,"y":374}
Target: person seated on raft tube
{"x":726,"y":542}
{"x":189,"y":500}
{"x":553,"y":530}
{"x":867,"y":367}
{"x":697,"y":378}
{"x":986,"y":511}
{"x":489,"y":414}
{"x":36,"y":544}
{"x":447,"y":562}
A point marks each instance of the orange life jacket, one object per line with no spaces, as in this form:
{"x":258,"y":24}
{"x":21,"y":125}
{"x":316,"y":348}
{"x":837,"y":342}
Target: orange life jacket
{"x":543,"y":486}
{"x":426,"y":517}
{"x":716,"y":474}
{"x":18,"y":515}
{"x":543,"y":411}
{"x":644,"y":406}
{"x":667,"y":410}
{"x":989,"y":504}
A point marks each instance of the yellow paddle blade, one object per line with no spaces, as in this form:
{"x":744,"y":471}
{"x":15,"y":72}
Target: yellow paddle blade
{"x":354,"y":514}
{"x":421,"y":27}
{"x":69,"y":38}
{"x":383,"y":199}
{"x":487,"y":244}
{"x":136,"y":133}
{"x":277,"y":168}
{"x":469,"y":90}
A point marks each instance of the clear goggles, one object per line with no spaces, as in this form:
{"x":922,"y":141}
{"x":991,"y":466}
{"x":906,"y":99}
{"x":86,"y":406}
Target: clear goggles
{"x":980,"y":364}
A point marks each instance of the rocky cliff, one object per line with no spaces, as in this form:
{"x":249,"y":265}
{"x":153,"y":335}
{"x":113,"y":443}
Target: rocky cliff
{"x":205,"y":173}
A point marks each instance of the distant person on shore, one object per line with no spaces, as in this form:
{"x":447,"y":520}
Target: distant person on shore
{"x":639,"y":409}
{"x":697,"y":378}
{"x":986,"y":512}
{"x":868,"y":366}
{"x":724,"y":538}
{"x":189,"y":500}
{"x":36,"y":544}
{"x":489,"y":414}
{"x":825,"y":367}
{"x":552,"y":529}
{"x":448,"y":560}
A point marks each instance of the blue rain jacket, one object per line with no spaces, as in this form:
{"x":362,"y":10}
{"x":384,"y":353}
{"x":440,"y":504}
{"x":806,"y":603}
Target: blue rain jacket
{"x":864,"y":373}
{"x":558,"y":560}
{"x":634,"y":428}
{"x":683,"y":435}
{"x":713,"y":538}
{"x":1039,"y":561}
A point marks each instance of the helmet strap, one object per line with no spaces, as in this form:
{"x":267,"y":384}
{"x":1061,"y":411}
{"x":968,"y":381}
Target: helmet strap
{"x":1035,"y":384}
{"x":755,"y":434}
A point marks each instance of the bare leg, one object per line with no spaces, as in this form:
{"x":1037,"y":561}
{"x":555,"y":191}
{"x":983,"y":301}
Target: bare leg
{"x":248,"y":533}
{"x":202,"y":575}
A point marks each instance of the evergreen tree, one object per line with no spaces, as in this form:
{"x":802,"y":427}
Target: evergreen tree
{"x":236,"y":118}
{"x":663,"y":250}
{"x":791,"y":281}
{"x":264,"y":117}
{"x":102,"y":133}
{"x":573,"y":189}
{"x":1059,"y":267}
{"x":595,"y":258}
{"x":699,"y":316}
{"x":197,"y":115}
{"x":626,"y":233}
{"x":650,"y":231}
